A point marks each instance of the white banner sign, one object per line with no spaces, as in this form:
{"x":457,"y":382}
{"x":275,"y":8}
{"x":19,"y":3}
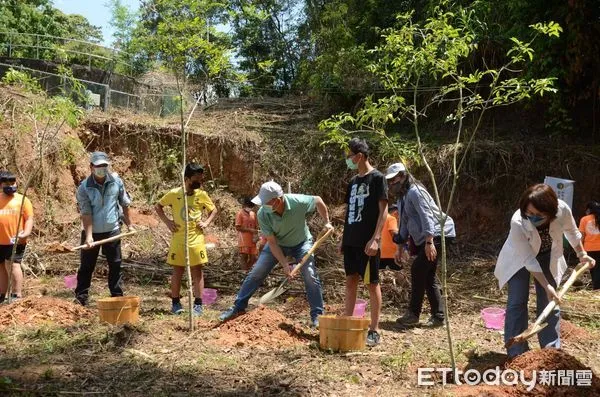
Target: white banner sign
{"x":563,"y":187}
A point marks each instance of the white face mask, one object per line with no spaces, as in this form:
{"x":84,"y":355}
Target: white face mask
{"x":100,"y":172}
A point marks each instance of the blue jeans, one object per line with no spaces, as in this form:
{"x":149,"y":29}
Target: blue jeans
{"x":266,"y":262}
{"x":516,"y":309}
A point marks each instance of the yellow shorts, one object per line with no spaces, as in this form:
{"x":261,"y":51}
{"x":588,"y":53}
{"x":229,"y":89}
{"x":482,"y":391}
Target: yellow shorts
{"x":176,"y":256}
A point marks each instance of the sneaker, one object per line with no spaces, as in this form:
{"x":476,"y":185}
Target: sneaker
{"x":373,"y":338}
{"x":230,"y":314}
{"x":177,"y":308}
{"x":81,"y":299}
{"x":434,"y":321}
{"x":314,"y":324}
{"x":14,"y":299}
{"x":408,"y":318}
{"x":198,"y":310}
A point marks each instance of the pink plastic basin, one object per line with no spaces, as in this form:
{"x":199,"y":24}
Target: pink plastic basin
{"x":493,"y":317}
{"x":71,"y":281}
{"x":359,"y":308}
{"x":209,"y":296}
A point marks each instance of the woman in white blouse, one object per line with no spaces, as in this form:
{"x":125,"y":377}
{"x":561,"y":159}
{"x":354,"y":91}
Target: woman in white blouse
{"x":535,"y":245}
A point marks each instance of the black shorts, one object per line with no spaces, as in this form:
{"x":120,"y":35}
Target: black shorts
{"x":357,"y":262}
{"x":6,"y":252}
{"x":388,"y":263}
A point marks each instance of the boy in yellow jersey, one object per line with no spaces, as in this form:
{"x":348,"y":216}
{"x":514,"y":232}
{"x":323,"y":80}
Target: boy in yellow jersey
{"x":198,"y":204}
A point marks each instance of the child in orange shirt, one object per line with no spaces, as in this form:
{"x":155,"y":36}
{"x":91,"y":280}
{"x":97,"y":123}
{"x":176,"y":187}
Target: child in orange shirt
{"x":589,"y":226}
{"x":247,"y":227}
{"x":388,"y":247}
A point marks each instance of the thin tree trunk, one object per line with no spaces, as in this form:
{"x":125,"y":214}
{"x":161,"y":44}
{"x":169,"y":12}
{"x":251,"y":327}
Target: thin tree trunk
{"x":188,"y":271}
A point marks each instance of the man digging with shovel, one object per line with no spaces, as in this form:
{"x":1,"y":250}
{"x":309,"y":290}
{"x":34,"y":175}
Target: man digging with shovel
{"x":100,"y":198}
{"x":282,"y":220}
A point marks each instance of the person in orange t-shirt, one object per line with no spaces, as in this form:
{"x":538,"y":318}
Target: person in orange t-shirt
{"x":388,"y":247}
{"x":247,"y":227}
{"x":11,"y":232}
{"x":589,"y":228}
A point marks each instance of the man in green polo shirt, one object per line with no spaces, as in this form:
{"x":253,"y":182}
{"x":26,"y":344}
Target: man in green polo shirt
{"x":282,"y":220}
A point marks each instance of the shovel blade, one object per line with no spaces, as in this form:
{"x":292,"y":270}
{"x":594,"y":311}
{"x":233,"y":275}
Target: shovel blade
{"x":528,"y":333}
{"x":274,"y":293}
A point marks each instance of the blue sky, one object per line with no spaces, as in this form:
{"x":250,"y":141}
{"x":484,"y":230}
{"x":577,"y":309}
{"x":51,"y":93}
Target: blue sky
{"x":95,"y":11}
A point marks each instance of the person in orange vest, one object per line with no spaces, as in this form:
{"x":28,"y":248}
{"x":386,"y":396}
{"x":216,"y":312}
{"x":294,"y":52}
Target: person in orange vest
{"x":589,"y":226}
{"x":247,"y":228}
{"x":12,"y":205}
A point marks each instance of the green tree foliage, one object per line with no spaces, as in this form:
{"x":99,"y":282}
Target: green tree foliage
{"x":574,"y":59}
{"x":265,"y":35}
{"x":127,"y":26}
{"x":40,"y":17}
{"x":182,"y":36}
{"x":342,"y":32}
{"x":36,"y":29}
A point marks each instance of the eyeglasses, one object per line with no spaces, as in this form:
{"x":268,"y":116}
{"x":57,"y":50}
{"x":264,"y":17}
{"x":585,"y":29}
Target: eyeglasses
{"x":9,"y":180}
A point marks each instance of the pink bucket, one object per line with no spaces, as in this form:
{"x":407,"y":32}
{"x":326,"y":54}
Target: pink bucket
{"x":71,"y":281}
{"x":493,"y":317}
{"x":209,"y":296}
{"x":359,"y":308}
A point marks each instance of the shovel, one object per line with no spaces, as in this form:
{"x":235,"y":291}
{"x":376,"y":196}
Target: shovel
{"x":538,"y":326}
{"x":106,"y":240}
{"x":274,"y":293}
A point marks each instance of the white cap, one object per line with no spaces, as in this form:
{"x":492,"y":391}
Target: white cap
{"x":394,"y":169}
{"x":268,"y":191}
{"x":99,"y":158}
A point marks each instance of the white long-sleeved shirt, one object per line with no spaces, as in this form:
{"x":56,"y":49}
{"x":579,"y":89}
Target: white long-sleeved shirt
{"x":523,"y":244}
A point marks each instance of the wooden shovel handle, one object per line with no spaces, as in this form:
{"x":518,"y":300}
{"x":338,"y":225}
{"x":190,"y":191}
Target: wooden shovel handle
{"x":537,"y":326}
{"x":106,"y":240}
{"x":322,"y":236}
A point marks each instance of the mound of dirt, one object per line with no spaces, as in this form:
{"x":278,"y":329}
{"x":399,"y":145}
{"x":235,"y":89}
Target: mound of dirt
{"x":35,"y":311}
{"x":554,"y":360}
{"x":570,"y":331}
{"x":557,"y":374}
{"x":261,"y":327}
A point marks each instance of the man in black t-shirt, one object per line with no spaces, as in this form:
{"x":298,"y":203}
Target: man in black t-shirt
{"x":366,"y":211}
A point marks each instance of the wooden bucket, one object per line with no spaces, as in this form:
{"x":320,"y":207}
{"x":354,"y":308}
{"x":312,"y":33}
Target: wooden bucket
{"x":343,"y":333}
{"x":119,"y":309}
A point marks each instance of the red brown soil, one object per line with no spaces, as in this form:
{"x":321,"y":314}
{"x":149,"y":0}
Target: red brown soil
{"x":261,"y":327}
{"x":36,"y":311}
{"x":538,"y":360}
{"x":143,"y":218}
{"x":570,"y":331}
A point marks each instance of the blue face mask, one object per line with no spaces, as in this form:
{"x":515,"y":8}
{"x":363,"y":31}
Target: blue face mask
{"x":350,"y":164}
{"x":100,"y":172}
{"x":10,"y":190}
{"x":536,"y":220}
